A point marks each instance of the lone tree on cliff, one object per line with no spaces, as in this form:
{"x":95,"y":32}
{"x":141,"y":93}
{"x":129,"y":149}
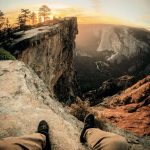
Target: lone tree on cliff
{"x":44,"y":11}
{"x":2,"y":19}
{"x":33,"y":18}
{"x":21,"y":21}
{"x":25,"y":13}
{"x":23,"y":18}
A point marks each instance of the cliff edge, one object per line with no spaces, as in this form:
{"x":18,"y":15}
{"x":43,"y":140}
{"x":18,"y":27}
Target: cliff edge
{"x":25,"y":100}
{"x":48,"y":50}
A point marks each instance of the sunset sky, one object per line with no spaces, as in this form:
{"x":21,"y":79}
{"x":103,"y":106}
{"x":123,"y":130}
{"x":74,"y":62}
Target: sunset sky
{"x":128,"y":12}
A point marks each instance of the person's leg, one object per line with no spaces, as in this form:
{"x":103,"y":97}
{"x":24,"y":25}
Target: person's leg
{"x":101,"y":140}
{"x":36,"y":141}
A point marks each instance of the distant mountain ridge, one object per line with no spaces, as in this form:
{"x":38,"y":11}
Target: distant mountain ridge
{"x":99,"y":37}
{"x":113,"y":50}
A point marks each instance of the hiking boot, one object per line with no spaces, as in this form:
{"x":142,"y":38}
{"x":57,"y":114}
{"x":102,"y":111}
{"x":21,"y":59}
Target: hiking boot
{"x":43,"y":128}
{"x":88,"y":123}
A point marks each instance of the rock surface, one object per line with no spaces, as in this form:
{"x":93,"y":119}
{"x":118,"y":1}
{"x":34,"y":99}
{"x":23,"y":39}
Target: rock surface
{"x":49,"y":51}
{"x":109,"y":88}
{"x":128,"y":110}
{"x":124,"y":41}
{"x":25,"y":100}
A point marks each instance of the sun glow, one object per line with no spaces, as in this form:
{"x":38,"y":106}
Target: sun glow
{"x":135,"y":12}
{"x":42,"y":19}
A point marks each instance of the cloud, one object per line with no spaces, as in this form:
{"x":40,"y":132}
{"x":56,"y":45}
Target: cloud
{"x":70,"y":11}
{"x":102,"y":19}
{"x":145,"y":18}
{"x":96,"y":4}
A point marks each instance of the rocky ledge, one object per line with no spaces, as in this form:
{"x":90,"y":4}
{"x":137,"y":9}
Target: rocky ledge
{"x":25,"y":100}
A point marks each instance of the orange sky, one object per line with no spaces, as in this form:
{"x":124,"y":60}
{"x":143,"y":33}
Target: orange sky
{"x":126,"y":12}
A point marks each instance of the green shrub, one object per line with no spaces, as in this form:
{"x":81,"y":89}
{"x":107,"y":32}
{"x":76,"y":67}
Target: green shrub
{"x":5,"y":55}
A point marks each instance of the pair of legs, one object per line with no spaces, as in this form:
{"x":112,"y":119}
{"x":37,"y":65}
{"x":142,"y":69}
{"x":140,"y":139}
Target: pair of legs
{"x":96,"y":139}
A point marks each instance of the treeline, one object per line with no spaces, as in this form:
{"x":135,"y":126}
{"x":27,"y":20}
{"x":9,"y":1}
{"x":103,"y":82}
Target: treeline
{"x":27,"y":17}
{"x":25,"y":20}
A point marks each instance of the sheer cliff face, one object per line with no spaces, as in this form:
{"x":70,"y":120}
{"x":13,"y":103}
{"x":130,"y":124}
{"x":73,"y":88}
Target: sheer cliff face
{"x":49,"y":52}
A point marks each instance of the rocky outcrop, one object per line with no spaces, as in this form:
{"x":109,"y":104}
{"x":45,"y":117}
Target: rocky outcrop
{"x":49,"y":51}
{"x":121,"y":40}
{"x":129,"y":110}
{"x":109,"y":88}
{"x":137,"y":93}
{"x":130,"y":47}
{"x":25,"y":100}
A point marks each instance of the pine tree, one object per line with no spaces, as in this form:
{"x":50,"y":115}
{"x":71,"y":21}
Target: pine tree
{"x":25,"y":13}
{"x":23,"y":17}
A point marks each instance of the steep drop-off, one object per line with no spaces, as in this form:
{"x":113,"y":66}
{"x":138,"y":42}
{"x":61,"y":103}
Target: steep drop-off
{"x":130,"y":109}
{"x":25,"y":100}
{"x":126,"y":113}
{"x":49,"y":51}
